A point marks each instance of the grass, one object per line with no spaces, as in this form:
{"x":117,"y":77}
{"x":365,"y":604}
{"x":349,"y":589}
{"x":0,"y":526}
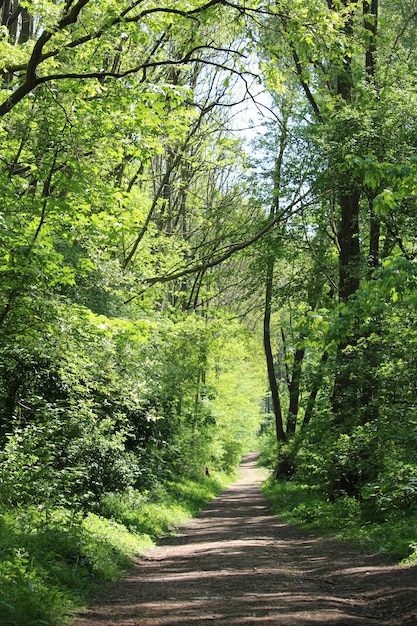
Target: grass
{"x":52,"y":559}
{"x":157,"y":513}
{"x":304,"y":505}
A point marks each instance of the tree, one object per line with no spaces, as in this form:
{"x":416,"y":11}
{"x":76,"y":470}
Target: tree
{"x":269,"y":282}
{"x":116,"y":176}
{"x":341,"y":54}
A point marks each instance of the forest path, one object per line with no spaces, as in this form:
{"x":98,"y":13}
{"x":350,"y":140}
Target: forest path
{"x":238,"y":564}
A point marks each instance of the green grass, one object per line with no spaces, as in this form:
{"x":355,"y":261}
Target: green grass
{"x":304,"y":505}
{"x":154,"y":514}
{"x":51,"y":559}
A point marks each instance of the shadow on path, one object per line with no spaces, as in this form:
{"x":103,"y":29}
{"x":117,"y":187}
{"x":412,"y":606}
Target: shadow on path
{"x":238,"y":564}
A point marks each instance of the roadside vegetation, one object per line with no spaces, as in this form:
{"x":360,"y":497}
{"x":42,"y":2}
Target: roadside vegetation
{"x":52,"y":559}
{"x":377,"y":523}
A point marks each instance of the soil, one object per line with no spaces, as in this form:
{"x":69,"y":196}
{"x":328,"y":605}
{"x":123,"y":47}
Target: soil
{"x":238,"y":564}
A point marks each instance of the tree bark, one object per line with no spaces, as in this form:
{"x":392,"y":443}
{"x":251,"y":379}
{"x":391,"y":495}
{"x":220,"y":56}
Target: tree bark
{"x":349,"y":255}
{"x":273,"y":385}
{"x":315,"y":387}
{"x":294,"y":391}
{"x":293,"y":384}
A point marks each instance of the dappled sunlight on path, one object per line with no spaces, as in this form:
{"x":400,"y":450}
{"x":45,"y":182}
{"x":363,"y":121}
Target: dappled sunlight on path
{"x":238,"y":564}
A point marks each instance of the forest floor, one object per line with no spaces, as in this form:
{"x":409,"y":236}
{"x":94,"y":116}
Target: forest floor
{"x":238,"y":564}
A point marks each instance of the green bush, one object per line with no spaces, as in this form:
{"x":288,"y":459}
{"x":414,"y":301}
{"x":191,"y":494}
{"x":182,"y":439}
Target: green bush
{"x":65,"y":461}
{"x":308,"y":506}
{"x":157,"y":512}
{"x":50,"y":557}
{"x":41,"y":566}
{"x":393,"y":494}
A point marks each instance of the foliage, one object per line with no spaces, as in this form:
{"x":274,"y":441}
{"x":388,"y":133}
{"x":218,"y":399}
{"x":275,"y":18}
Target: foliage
{"x":267,"y":443}
{"x":237,"y":375}
{"x":343,"y":302}
{"x":131,"y":415}
{"x":118,"y":174}
{"x":307,"y":506}
{"x":137,"y":239}
{"x":51,"y":558}
{"x":166,"y":506}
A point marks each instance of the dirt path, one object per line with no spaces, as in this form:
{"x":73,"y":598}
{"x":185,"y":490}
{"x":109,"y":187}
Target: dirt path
{"x":238,"y":564}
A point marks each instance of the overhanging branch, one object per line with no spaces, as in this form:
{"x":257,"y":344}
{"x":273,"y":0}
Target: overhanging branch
{"x":223,"y":254}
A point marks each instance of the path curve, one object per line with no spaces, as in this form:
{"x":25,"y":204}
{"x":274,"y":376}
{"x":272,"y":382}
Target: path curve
{"x":238,"y":564}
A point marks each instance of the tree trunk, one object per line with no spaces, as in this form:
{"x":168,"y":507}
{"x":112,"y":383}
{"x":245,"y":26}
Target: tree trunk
{"x":345,"y":396}
{"x":294,"y":391}
{"x":354,"y":388}
{"x":273,"y":385}
{"x":293,"y":384}
{"x":349,"y":255}
{"x":315,"y":387}
{"x":374,"y":237}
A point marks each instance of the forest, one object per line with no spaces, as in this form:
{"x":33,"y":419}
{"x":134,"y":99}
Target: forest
{"x":208,"y":244}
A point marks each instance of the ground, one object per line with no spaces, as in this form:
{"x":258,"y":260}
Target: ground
{"x":238,"y":564}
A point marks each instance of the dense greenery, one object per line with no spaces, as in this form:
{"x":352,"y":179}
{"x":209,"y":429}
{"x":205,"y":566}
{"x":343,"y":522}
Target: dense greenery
{"x":344,"y":305}
{"x":50,"y":559}
{"x":343,"y":287}
{"x":347,"y":519}
{"x":125,"y":371}
{"x":146,"y":249}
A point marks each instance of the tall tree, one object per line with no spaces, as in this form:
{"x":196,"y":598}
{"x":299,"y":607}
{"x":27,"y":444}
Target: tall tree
{"x":342,"y":54}
{"x":269,"y":282}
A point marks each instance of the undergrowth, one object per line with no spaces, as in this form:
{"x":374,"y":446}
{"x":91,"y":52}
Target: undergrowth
{"x":51,"y":559}
{"x":395,"y":536}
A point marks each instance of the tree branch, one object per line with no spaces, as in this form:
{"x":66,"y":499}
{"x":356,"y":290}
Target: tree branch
{"x":224,"y":253}
{"x":33,"y":81}
{"x":70,"y":17}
